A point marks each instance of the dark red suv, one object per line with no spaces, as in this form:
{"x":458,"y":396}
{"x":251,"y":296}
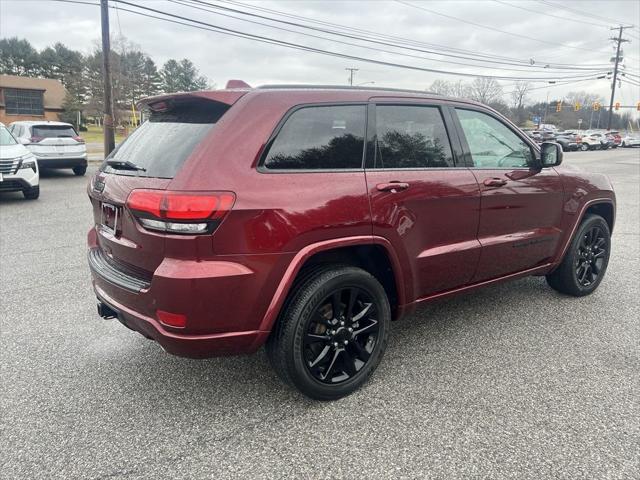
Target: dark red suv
{"x":308,"y":218}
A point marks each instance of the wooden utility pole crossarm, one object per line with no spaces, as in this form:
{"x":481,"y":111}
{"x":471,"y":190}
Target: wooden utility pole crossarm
{"x":108,"y":127}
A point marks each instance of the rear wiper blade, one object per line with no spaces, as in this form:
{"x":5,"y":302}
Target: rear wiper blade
{"x":125,"y":165}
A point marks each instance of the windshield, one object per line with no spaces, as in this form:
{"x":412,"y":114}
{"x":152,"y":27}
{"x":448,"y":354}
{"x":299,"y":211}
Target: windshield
{"x":162,"y":144}
{"x":53,"y":131}
{"x":6,"y":138}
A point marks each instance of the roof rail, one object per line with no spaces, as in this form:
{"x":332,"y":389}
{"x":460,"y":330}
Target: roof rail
{"x":341,"y":87}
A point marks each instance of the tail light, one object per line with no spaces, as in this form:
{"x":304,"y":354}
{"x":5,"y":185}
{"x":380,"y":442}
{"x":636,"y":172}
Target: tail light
{"x":176,"y":320}
{"x":35,"y":139}
{"x":578,"y":139}
{"x":180,"y":212}
{"x":78,"y":139}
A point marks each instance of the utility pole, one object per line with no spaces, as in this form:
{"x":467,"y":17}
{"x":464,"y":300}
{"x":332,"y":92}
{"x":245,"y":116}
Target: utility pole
{"x":619,"y":41}
{"x":109,"y":138}
{"x":351,"y":72}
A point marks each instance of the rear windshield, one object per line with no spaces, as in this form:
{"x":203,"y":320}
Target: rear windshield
{"x":162,"y":144}
{"x":53,"y":131}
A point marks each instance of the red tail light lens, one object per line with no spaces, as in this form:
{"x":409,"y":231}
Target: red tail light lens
{"x":180,"y":212}
{"x":35,"y":139}
{"x":176,"y":320}
{"x":78,"y":139}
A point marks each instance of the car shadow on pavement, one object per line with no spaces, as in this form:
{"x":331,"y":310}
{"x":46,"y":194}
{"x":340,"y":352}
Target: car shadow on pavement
{"x":437,"y":329}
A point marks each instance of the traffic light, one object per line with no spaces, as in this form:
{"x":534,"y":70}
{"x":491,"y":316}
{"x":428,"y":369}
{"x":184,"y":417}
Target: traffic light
{"x":596,"y":106}
{"x":559,"y":106}
{"x":576,"y":107}
{"x":617,"y":106}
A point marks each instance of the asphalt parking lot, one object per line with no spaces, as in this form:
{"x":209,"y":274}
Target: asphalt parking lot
{"x":513,"y":381}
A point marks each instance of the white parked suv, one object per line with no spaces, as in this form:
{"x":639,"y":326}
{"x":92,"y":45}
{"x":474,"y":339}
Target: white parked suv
{"x":55,"y":144}
{"x":18,"y":167}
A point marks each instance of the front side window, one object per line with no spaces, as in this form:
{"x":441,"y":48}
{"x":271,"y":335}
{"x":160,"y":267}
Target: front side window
{"x":492,"y":144}
{"x":411,"y":136}
{"x":23,"y":102}
{"x":319,"y":138}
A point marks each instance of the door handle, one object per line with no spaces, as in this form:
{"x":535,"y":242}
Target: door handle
{"x":392,"y":187}
{"x":494,"y":182}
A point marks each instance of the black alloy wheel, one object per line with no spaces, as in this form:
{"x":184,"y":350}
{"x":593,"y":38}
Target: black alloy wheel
{"x":591,"y":256}
{"x":585,"y":261}
{"x":332,"y":331}
{"x":341,"y":335}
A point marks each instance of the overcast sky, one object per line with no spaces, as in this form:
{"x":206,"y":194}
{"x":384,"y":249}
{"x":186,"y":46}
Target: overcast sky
{"x":221,"y":57}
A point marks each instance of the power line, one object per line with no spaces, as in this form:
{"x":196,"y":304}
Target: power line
{"x":492,"y":28}
{"x":263,"y":39}
{"x":332,"y":32}
{"x":530,"y":69}
{"x":399,"y":39}
{"x":551,"y":15}
{"x":579,"y":12}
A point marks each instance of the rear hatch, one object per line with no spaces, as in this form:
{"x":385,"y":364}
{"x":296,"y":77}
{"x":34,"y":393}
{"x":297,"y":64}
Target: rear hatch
{"x":147,"y":161}
{"x":56,"y":141}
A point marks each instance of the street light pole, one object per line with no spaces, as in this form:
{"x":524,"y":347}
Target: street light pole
{"x":109,"y":137}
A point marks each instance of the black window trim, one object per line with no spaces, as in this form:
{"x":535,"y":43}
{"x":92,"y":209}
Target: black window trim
{"x":468,"y":159}
{"x":261,"y":168}
{"x":449,"y":126}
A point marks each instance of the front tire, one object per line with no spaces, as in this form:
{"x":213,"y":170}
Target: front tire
{"x":584,"y":147}
{"x":332,"y":332}
{"x":80,"y":170}
{"x":32,"y":193}
{"x":585,"y":262}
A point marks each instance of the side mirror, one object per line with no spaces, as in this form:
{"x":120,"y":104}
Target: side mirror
{"x":24,"y":141}
{"x":550,"y":154}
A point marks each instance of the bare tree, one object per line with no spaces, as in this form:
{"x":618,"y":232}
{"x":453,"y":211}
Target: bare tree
{"x":519,"y":99}
{"x":441,"y":87}
{"x":582,"y":97}
{"x":519,"y":94}
{"x":460,"y":89}
{"x":485,"y":90}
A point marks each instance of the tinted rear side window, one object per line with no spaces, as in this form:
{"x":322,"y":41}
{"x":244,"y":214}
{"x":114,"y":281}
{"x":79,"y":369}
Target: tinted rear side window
{"x":53,"y":131}
{"x":163,"y":143}
{"x":411,"y":136}
{"x":319,"y":138}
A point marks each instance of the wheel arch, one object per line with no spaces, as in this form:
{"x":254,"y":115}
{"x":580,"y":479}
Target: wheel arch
{"x":605,"y":207}
{"x":373,"y":254}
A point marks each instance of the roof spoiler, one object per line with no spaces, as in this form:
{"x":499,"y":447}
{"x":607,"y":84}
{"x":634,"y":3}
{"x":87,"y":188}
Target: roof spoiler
{"x":228,"y":97}
{"x":237,"y":84}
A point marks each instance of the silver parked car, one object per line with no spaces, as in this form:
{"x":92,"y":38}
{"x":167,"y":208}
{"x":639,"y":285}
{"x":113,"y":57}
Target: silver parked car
{"x":54,"y":144}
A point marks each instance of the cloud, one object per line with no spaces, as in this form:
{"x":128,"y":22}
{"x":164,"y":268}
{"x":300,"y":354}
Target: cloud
{"x":221,"y":57}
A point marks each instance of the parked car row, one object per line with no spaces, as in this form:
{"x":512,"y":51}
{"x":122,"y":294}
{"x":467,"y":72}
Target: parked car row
{"x":28,"y":146}
{"x":589,"y":140}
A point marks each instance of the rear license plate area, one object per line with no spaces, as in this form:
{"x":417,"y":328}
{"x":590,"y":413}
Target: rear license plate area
{"x":110,"y":218}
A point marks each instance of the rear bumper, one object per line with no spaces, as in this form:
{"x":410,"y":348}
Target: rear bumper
{"x":224,"y":299}
{"x":45,"y":162}
{"x":191,"y":346}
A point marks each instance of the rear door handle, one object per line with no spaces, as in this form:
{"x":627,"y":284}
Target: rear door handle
{"x":392,"y":187}
{"x":494,"y":182}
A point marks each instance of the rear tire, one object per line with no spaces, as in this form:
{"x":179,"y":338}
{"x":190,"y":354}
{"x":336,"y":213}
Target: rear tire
{"x":332,"y":332}
{"x":80,"y":170}
{"x":32,"y":193}
{"x":584,"y":147}
{"x":585,"y":262}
